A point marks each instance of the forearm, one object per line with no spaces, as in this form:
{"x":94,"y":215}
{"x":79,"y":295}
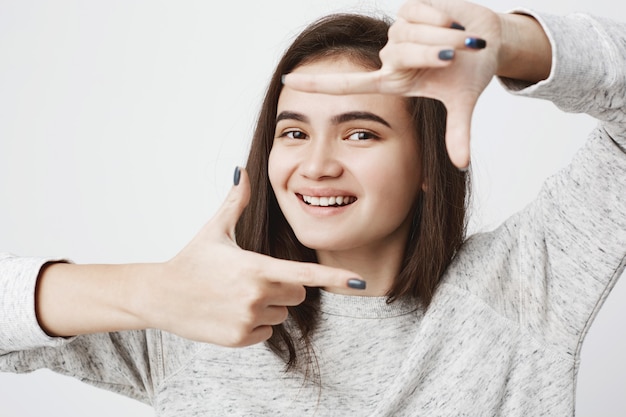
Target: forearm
{"x":71,"y":300}
{"x":525,"y":53}
{"x":81,"y":299}
{"x":588,"y":69}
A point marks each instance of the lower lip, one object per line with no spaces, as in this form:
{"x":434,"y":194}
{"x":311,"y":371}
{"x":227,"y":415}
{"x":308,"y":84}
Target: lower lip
{"x":323,"y":210}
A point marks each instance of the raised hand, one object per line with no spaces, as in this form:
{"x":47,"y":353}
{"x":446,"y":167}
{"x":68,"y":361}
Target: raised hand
{"x":442,"y":49}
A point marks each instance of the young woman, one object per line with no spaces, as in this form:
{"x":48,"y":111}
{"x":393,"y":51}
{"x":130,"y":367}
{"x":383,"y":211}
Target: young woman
{"x":362,"y":182}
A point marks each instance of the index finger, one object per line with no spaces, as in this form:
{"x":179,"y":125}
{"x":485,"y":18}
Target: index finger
{"x":336,"y":84}
{"x":309,"y":274}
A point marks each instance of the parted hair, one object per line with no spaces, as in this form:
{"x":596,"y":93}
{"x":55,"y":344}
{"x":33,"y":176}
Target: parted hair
{"x":439,"y":220}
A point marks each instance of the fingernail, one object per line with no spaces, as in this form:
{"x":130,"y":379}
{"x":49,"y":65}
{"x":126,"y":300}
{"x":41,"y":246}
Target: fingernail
{"x":357,"y":284}
{"x":475,"y":43}
{"x":446,"y":54}
{"x":282,"y":79}
{"x":237,"y":176}
{"x":457,"y":26}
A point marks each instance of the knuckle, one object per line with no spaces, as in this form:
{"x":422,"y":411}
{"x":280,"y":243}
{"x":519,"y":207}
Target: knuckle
{"x":254,"y":298}
{"x":413,"y":10}
{"x":312,"y":84}
{"x":405,"y":10}
{"x":241,"y":334}
{"x":249,"y":270}
{"x":249,"y":317}
{"x":251,"y":295}
{"x":305,"y":274}
{"x":239,"y":339}
{"x":384,"y":53}
{"x":403,"y":31}
{"x":415,"y":33}
{"x":395,"y":30}
{"x":246,"y":318}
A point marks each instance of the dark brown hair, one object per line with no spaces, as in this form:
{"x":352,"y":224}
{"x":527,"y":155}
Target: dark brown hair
{"x":439,"y":214}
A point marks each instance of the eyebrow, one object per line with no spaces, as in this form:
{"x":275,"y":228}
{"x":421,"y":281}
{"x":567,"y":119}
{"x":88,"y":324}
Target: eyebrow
{"x":338,"y":119}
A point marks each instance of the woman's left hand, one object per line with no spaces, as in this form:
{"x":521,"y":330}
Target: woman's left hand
{"x":430,"y":55}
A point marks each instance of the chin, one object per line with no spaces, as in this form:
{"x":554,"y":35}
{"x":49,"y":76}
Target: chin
{"x":325,"y":243}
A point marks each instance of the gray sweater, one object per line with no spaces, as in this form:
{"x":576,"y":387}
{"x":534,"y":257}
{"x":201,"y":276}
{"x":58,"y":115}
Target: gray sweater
{"x":503,"y":333}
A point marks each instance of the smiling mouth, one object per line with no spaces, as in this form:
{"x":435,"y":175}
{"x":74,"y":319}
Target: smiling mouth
{"x":333,"y":201}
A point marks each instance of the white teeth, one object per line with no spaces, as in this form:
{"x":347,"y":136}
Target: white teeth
{"x":328,"y":201}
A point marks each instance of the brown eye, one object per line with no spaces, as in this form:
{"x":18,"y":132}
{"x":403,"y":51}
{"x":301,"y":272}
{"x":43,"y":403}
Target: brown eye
{"x":362,"y":135}
{"x":295,"y":134}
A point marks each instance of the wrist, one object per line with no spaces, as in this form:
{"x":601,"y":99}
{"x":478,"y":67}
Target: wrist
{"x":139,"y":295}
{"x":525,"y":53}
{"x":81,"y":299}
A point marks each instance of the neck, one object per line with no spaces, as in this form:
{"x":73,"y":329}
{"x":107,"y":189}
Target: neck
{"x":377,"y":265}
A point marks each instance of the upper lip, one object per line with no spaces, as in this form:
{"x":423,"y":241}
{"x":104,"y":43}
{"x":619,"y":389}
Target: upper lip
{"x":324,"y":192}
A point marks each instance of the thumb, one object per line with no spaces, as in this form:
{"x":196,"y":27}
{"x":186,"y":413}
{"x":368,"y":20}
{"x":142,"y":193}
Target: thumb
{"x":458,"y":128}
{"x":342,"y":83}
{"x":236,"y":201}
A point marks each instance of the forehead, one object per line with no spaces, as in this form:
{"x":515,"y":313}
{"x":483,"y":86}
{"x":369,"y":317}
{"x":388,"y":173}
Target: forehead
{"x":389,"y":107}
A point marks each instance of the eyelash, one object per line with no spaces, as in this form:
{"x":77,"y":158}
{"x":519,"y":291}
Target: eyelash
{"x":369,"y":135}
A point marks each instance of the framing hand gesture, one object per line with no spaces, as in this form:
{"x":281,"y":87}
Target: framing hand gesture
{"x":429,"y":54}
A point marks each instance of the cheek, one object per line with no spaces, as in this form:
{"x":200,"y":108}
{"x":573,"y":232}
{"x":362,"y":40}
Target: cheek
{"x":398,"y":182}
{"x":396,"y":191}
{"x":278,"y":170}
{"x":273,"y":171}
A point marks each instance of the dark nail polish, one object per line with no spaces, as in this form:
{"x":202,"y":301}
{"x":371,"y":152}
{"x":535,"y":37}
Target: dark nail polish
{"x":237,"y":176}
{"x":475,"y":43}
{"x":357,"y":284}
{"x":457,"y":26}
{"x":446,"y":54}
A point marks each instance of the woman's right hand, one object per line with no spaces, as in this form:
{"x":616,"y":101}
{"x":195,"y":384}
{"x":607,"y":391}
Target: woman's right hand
{"x":215,"y":292}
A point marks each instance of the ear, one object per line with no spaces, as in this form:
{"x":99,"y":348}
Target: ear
{"x":425,"y":185}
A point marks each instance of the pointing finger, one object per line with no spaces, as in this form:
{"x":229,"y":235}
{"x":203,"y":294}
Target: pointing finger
{"x":309,"y":274}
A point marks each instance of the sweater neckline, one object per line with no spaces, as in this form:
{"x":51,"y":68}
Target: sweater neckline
{"x":365,"y":307}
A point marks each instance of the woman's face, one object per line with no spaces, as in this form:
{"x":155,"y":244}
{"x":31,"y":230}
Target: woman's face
{"x":345,"y":169}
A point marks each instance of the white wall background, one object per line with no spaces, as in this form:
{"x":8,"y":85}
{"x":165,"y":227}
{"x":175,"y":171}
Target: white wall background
{"x":121,"y":123}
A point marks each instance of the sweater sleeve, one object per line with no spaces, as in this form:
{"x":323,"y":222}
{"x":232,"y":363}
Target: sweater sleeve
{"x":573,"y":237}
{"x":19,"y":328}
{"x":119,"y":362}
{"x":588,"y":70}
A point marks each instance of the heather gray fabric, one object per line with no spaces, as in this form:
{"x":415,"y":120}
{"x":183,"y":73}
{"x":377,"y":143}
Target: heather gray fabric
{"x":502,"y":336}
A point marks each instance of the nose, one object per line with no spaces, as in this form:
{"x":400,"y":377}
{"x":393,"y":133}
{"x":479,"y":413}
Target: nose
{"x":321,"y":160}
